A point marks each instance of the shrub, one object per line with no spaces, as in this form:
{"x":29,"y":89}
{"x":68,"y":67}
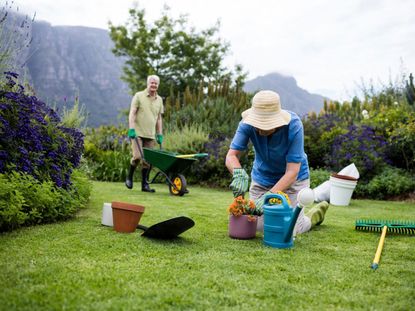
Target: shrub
{"x":390,"y":182}
{"x":212,"y":170}
{"x":219,"y":115}
{"x":319,"y":134}
{"x":32,"y":139}
{"x":362,"y":146}
{"x":109,"y":165}
{"x":107,"y":153}
{"x":11,"y":205}
{"x":318,"y":176}
{"x":25,"y":200}
{"x":186,"y":140}
{"x":397,"y":125}
{"x":107,"y":137}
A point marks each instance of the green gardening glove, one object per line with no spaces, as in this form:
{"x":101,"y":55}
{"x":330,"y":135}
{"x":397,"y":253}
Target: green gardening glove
{"x":239,"y":183}
{"x":159,"y":138}
{"x":131,"y":133}
{"x":259,"y":203}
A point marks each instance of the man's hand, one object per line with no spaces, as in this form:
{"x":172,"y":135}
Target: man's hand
{"x":159,"y":138}
{"x":240,"y":182}
{"x":131,"y":133}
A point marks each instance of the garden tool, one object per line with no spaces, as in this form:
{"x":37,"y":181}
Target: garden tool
{"x":195,"y":155}
{"x":168,"y":229}
{"x":393,"y":226}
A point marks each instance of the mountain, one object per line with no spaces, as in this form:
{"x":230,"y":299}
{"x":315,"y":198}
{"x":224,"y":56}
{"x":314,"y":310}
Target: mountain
{"x":72,"y":61}
{"x":63,"y":62}
{"x":292,"y":96}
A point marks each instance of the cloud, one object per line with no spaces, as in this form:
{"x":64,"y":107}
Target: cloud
{"x":324,"y":44}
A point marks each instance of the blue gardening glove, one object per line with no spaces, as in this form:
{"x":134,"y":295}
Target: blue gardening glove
{"x":131,"y":133}
{"x":239,"y":183}
{"x":159,"y":138}
{"x":259,"y":203}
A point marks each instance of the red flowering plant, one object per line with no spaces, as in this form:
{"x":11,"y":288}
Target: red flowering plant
{"x":241,"y":206}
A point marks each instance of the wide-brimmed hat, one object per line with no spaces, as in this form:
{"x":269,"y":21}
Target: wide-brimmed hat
{"x":266,"y":112}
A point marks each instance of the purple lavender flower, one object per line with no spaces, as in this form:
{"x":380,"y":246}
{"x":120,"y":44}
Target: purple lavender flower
{"x":32,"y":139}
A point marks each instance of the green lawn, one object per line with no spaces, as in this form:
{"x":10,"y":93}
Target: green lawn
{"x":82,"y":265}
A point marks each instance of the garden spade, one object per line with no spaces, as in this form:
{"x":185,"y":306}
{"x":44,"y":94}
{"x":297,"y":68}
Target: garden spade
{"x":168,"y":229}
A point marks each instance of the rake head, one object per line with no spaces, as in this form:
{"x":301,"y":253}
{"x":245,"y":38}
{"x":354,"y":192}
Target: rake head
{"x":394,"y":226}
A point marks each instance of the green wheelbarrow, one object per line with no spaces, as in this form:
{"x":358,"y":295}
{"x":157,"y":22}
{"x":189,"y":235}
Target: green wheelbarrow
{"x":171,"y":165}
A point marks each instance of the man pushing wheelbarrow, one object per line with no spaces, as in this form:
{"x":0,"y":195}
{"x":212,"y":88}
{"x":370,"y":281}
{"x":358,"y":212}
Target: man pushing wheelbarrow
{"x":145,"y":128}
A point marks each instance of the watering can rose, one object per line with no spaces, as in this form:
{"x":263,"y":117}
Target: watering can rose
{"x":241,"y":206}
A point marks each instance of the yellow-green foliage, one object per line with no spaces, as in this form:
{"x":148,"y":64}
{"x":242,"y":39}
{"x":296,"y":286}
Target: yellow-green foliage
{"x":26,"y":201}
{"x":219,"y":110}
{"x":188,"y":139}
{"x":75,"y":117}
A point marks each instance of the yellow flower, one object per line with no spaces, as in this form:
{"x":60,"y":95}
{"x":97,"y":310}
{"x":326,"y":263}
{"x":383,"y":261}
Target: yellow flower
{"x":278,"y":201}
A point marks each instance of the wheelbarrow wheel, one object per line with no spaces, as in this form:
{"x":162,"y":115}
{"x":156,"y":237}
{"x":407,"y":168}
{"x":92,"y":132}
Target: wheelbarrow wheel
{"x":180,"y":182}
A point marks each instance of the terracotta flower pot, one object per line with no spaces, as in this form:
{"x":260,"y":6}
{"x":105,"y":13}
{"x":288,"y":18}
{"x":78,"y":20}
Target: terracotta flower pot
{"x":126,"y":216}
{"x":240,"y":227}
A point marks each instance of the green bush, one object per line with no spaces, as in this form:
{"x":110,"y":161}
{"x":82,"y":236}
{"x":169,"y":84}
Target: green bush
{"x":397,"y":124}
{"x":391,"y":182}
{"x":219,"y":115}
{"x":26,"y":201}
{"x":318,"y":176}
{"x":107,"y":153}
{"x":108,"y":137}
{"x":319,"y":134}
{"x":32,"y":137}
{"x":212,"y":170}
{"x":11,"y":205}
{"x":362,"y":146}
{"x":109,"y":165}
{"x":186,"y":140}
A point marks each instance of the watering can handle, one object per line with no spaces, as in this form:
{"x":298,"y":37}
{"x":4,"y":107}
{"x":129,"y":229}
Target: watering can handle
{"x":270,"y":199}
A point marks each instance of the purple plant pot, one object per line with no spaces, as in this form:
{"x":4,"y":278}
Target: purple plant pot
{"x":242,"y":228}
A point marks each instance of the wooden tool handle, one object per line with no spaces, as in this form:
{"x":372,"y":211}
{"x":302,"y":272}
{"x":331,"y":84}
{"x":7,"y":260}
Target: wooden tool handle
{"x":375,"y":263}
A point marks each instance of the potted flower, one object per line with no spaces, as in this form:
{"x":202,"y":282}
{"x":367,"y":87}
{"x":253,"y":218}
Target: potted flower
{"x":243,"y":216}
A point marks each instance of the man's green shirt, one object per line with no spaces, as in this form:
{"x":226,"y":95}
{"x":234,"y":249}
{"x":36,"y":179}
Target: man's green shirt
{"x":148,"y":110}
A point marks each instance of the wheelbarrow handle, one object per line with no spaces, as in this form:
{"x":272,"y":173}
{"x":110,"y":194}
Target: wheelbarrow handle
{"x":139,"y":148}
{"x":196,"y":155}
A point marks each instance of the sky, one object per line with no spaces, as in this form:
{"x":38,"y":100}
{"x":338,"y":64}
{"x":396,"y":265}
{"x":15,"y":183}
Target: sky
{"x":331,"y":47}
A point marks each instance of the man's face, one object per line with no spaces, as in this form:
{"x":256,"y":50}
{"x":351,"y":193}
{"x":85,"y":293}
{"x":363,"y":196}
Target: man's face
{"x":153,"y":85}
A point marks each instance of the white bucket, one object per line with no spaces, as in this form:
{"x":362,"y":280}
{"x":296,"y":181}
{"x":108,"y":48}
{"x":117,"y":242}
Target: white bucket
{"x":341,"y":191}
{"x":107,"y":215}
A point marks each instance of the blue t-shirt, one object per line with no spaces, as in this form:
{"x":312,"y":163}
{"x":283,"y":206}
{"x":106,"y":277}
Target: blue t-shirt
{"x":273,"y":152}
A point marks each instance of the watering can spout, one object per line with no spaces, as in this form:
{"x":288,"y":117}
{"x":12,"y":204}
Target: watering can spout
{"x":290,"y":229}
{"x":305,"y":197}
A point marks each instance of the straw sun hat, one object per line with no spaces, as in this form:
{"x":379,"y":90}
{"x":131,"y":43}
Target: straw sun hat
{"x":266,"y":113}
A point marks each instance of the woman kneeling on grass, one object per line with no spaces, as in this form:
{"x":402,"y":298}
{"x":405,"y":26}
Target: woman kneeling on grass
{"x":280,"y":162}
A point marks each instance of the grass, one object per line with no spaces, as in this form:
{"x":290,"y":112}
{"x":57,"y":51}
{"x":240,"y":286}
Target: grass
{"x":82,"y":265}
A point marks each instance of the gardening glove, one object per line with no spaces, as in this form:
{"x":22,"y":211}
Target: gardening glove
{"x":259,"y":203}
{"x":131,"y":133}
{"x":239,"y":183}
{"x":159,"y":138}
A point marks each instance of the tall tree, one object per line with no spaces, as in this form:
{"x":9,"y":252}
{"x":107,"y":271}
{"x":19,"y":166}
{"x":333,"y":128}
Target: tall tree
{"x":177,"y":53}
